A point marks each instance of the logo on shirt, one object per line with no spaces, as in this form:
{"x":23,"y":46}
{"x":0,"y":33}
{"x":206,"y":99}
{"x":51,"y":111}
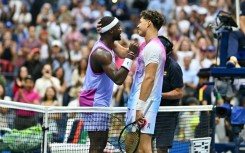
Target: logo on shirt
{"x":148,"y":125}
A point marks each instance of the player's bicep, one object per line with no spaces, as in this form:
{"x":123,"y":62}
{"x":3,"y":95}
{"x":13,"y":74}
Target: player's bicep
{"x":104,"y":59}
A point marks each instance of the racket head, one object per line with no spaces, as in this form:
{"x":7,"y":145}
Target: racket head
{"x":130,"y":137}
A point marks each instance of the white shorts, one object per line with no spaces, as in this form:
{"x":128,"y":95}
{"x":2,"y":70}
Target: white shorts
{"x":150,"y":120}
{"x":96,"y":121}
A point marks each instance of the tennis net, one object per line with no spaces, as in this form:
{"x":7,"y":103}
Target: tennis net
{"x":34,"y":128}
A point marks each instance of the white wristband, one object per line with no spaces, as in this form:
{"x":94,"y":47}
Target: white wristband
{"x":127,"y":63}
{"x":140,"y":105}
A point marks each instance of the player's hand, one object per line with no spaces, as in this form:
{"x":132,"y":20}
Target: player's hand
{"x":134,"y":47}
{"x":140,"y":118}
{"x":98,"y":28}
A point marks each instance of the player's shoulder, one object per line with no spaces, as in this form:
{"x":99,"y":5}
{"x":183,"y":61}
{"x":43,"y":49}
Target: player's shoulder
{"x":154,"y":44}
{"x":101,"y":54}
{"x":100,"y":51}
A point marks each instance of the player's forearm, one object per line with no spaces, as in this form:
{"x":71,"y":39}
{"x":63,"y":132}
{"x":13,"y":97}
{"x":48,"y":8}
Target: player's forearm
{"x":120,"y":76}
{"x":177,"y":93}
{"x":120,"y":50}
{"x":146,"y":87}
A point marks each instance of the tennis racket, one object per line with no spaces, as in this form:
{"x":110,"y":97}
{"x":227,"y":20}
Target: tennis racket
{"x":130,"y":135}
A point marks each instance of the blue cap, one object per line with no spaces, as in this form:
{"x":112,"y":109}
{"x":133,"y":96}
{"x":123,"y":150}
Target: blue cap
{"x":9,"y":24}
{"x":101,"y":2}
{"x":211,"y":48}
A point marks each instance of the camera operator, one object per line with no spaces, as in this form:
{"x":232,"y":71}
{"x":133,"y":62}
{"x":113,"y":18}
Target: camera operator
{"x":236,"y":36}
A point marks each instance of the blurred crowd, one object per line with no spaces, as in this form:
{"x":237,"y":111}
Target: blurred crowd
{"x":45,"y":44}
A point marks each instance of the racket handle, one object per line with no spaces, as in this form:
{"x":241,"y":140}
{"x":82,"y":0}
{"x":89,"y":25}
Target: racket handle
{"x":145,"y":122}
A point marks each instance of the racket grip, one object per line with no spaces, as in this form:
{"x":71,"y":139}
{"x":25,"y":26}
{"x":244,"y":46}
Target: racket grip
{"x":145,"y":122}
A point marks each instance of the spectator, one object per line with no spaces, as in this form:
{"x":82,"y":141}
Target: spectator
{"x":140,"y":5}
{"x":56,"y":49}
{"x":42,"y":26}
{"x":173,"y":32}
{"x":189,"y":77}
{"x":86,"y":49}
{"x":182,"y":5}
{"x":3,"y":111}
{"x":21,"y":34}
{"x":64,"y":15}
{"x":81,"y":13}
{"x":28,"y":44}
{"x":75,"y":102}
{"x":47,"y":80}
{"x":19,"y":81}
{"x":15,"y":7}
{"x":204,"y":92}
{"x":163,"y":6}
{"x":57,"y":30}
{"x":119,"y":10}
{"x":3,"y":14}
{"x":3,"y":80}
{"x":211,"y":55}
{"x":188,"y":121}
{"x":201,"y":60}
{"x":8,"y":48}
{"x":61,"y":61}
{"x":34,"y":64}
{"x":44,"y":50}
{"x":59,"y":73}
{"x":50,"y":99}
{"x":2,"y":30}
{"x":206,"y":96}
{"x":46,"y":12}
{"x":78,"y":77}
{"x":76,"y":53}
{"x":25,"y":119}
{"x":7,"y":53}
{"x":95,"y":16}
{"x":184,"y":47}
{"x":73,"y":35}
{"x":212,"y":12}
{"x":22,"y":17}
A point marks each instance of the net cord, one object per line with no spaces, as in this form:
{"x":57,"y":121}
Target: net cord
{"x":65,"y":109}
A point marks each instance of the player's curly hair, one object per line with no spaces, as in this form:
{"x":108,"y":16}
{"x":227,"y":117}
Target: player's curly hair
{"x":155,"y":17}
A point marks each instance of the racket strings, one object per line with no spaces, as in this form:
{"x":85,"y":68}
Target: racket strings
{"x":129,"y":139}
